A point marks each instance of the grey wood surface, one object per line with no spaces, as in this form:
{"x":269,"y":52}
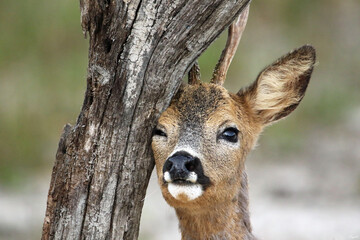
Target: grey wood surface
{"x":139,"y":52}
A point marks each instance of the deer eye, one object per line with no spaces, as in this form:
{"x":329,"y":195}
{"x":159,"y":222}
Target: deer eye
{"x":230,"y":134}
{"x":159,"y":132}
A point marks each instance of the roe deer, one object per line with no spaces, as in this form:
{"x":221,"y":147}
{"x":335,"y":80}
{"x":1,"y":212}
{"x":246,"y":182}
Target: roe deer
{"x":202,"y":139}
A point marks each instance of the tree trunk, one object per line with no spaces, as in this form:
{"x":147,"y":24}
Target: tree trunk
{"x":139,"y":52}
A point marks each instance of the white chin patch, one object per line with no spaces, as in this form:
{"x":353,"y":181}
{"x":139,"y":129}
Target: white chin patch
{"x":190,"y":191}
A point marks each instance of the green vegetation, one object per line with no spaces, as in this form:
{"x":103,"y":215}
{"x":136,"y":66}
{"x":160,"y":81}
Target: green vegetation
{"x":42,"y":80}
{"x":43,"y":59}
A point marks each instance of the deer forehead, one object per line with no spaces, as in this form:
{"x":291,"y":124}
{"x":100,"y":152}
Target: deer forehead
{"x":197,"y":109}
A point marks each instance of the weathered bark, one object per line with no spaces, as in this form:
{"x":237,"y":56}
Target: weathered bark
{"x":138,"y":54}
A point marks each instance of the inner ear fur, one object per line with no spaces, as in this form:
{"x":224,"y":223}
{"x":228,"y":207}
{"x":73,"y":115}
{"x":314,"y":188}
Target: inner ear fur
{"x":280,"y":87}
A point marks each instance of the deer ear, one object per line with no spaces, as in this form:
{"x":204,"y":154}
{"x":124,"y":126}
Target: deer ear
{"x":281,"y":86}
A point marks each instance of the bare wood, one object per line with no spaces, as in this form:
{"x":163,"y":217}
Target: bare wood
{"x":194,"y":74}
{"x":234,"y":35}
{"x":139,"y":51}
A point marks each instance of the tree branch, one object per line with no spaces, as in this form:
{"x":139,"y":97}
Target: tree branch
{"x":139,"y":51}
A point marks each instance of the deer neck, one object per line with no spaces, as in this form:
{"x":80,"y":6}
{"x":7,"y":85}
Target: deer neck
{"x":228,"y":221}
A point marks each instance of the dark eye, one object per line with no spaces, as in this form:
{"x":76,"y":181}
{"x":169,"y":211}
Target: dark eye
{"x":159,"y":132}
{"x":230,"y":135}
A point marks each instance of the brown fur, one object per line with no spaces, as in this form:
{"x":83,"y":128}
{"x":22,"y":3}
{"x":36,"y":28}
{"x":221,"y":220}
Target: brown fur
{"x":196,"y":115}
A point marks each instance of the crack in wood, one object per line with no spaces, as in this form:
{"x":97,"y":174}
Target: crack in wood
{"x":95,"y":168}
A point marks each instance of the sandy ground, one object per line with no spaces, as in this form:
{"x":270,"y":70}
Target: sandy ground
{"x":311,"y":195}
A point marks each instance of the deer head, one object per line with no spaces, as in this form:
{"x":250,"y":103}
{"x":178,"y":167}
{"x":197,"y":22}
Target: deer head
{"x":202,"y":139}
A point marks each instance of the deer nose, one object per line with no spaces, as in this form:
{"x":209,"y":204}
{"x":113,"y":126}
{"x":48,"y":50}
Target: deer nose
{"x":180,"y":165}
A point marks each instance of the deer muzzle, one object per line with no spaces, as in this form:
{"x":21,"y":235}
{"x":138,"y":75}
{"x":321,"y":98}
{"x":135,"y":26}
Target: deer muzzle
{"x":183,"y":168}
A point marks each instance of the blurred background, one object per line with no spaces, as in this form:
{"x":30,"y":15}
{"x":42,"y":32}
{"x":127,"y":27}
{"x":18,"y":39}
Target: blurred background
{"x":304,"y":175}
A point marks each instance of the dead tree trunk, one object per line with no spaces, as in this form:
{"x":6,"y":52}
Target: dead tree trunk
{"x":139,"y":51}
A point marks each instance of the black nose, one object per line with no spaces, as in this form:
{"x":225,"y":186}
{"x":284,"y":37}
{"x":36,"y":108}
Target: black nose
{"x":180,"y":165}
